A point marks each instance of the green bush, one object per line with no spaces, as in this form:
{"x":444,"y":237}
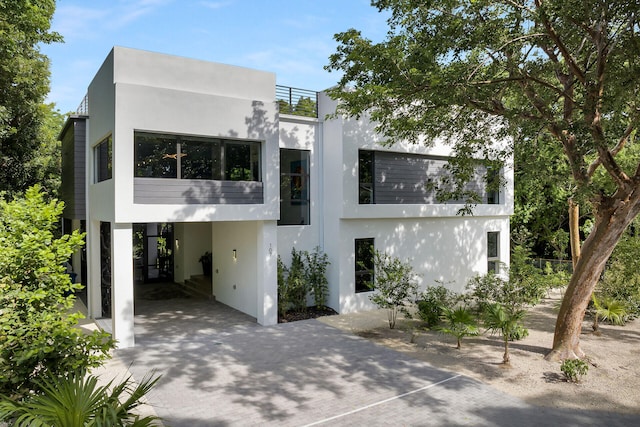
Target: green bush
{"x":432,"y":302}
{"x":306,"y":276}
{"x":459,"y":322}
{"x":78,"y":401}
{"x":573,"y":369}
{"x":38,"y":335}
{"x":316,"y":276}
{"x":395,"y":285}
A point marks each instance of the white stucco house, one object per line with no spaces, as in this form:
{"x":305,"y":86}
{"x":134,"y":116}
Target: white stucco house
{"x":170,"y":158}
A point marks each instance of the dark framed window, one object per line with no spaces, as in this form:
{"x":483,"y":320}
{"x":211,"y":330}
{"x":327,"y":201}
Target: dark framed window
{"x":364,"y":260}
{"x":103,"y":155}
{"x":365,"y":177}
{"x":493,"y":251}
{"x":294,"y":187}
{"x":193,"y":157}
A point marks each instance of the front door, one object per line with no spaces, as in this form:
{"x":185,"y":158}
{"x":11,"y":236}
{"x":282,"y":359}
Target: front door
{"x":153,"y":252}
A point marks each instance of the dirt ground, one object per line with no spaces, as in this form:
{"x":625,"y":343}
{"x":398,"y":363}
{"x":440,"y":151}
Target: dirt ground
{"x":611,"y":384}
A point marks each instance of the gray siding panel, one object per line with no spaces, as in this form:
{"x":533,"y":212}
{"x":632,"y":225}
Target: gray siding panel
{"x":72,"y":190}
{"x":411,"y":179}
{"x":193,"y":191}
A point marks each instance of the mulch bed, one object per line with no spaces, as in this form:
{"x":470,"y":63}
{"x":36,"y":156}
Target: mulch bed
{"x":309,"y":313}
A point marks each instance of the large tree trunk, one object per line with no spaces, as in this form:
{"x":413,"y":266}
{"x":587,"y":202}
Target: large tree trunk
{"x":611,"y":221}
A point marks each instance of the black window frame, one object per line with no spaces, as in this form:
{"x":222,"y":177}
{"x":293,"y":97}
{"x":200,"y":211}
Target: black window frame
{"x":364,"y":267}
{"x":295,"y":183}
{"x":493,"y":251}
{"x":366,"y":187}
{"x":103,"y":159}
{"x":177,"y":151}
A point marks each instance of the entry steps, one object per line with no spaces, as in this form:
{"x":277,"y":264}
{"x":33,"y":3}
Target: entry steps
{"x":199,"y":286}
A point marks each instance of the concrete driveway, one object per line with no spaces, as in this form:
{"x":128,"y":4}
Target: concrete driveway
{"x":233,"y":372}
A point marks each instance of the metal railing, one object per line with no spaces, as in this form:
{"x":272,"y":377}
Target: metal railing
{"x":83,"y":108}
{"x":299,"y":102}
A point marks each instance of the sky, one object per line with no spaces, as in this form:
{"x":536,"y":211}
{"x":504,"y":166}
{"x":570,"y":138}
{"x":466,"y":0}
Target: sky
{"x":291,"y":38}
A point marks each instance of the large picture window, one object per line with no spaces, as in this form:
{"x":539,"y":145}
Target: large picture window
{"x":191,"y":157}
{"x":364,"y":252}
{"x":294,"y":187}
{"x":103,"y":160}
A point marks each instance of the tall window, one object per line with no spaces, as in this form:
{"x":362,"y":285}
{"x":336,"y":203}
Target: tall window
{"x":364,"y":264}
{"x":191,"y":157}
{"x":365,"y":177}
{"x":102,"y":154}
{"x":294,"y":187}
{"x":493,"y":251}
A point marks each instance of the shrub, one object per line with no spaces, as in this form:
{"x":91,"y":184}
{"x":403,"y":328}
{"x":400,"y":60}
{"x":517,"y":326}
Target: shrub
{"x":296,"y":282}
{"x":459,"y":322}
{"x":394,"y":283}
{"x":506,"y":321}
{"x":38,"y":335}
{"x":78,"y":401}
{"x":316,"y":276}
{"x":432,"y":301}
{"x":574,"y":369}
{"x":609,"y":310}
{"x":283,"y":296}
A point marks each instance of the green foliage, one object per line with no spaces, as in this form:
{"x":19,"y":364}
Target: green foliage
{"x":316,"y":275}
{"x":305,"y":276}
{"x":608,"y":310}
{"x":621,"y":279}
{"x":395,"y":285}
{"x":574,"y":369}
{"x":459,"y":322}
{"x":38,"y":334}
{"x":24,"y":84}
{"x":305,"y":106}
{"x":432,"y":303}
{"x":296,"y":282}
{"x":78,"y":401}
{"x":506,"y":321}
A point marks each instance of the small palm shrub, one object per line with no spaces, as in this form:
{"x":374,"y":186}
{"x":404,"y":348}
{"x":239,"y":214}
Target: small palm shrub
{"x":574,"y":369}
{"x":608,"y":310}
{"x":459,"y":322}
{"x":78,"y":401}
{"x":505,"y":321}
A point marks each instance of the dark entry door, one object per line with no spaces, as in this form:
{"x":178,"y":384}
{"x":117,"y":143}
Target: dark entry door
{"x":153,"y":252}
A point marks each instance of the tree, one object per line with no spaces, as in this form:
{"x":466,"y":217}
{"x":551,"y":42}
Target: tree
{"x":24,"y":83}
{"x":394,"y":283}
{"x":38,"y":334}
{"x":564,"y":73}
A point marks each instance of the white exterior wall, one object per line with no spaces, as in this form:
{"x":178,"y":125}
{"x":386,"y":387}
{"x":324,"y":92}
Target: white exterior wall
{"x":440,"y":244}
{"x":303,"y":133}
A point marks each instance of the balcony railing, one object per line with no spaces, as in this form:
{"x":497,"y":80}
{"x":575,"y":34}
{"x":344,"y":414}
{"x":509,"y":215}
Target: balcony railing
{"x":299,"y":102}
{"x":83,"y":108}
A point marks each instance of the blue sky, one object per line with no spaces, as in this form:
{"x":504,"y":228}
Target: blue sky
{"x":292,"y":38}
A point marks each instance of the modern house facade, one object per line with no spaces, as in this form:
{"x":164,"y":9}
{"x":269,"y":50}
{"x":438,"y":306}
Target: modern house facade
{"x":173,"y":159}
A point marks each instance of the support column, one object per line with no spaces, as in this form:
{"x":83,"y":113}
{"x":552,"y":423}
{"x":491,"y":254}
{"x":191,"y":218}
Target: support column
{"x":267,"y":267}
{"x":122,"y":284}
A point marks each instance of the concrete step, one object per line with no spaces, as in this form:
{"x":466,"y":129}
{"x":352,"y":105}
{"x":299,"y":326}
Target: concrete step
{"x":199,"y":286}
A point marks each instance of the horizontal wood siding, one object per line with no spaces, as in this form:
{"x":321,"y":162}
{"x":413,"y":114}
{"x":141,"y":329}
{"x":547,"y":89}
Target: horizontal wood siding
{"x":194,"y":191}
{"x":412,"y":179}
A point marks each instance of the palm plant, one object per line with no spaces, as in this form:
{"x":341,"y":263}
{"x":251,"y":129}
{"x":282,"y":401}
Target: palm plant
{"x":78,"y":401}
{"x":608,"y":309}
{"x":459,"y":322}
{"x":505,"y":321}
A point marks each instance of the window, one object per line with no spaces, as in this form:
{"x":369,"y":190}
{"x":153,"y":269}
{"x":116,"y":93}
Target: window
{"x":365,"y":177}
{"x":294,"y":187}
{"x":493,"y":251}
{"x":386,"y":177}
{"x":364,"y":264}
{"x":102,"y":159}
{"x":192,"y":157}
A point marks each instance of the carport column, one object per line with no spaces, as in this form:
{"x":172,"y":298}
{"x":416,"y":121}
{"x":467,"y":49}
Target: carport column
{"x":267,"y":280}
{"x":122,"y":284}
